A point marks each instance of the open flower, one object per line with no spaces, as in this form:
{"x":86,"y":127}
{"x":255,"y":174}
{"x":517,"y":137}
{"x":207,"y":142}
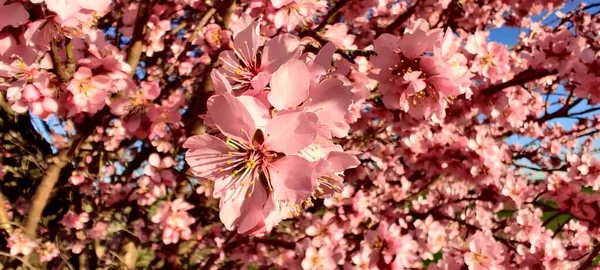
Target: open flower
{"x":248,"y":66}
{"x":89,"y":91}
{"x":254,"y":165}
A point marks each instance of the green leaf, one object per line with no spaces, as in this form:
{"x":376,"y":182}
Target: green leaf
{"x":436,"y":258}
{"x":505,"y":213}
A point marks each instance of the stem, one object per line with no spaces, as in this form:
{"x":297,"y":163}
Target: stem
{"x":130,"y":255}
{"x":4,"y":220}
{"x":521,"y":78}
{"x":338,"y":6}
{"x":71,"y":66}
{"x":60,"y":69}
{"x":139,"y":30}
{"x":2,"y":253}
{"x":42,"y":194}
{"x":400,"y":20}
{"x":588,"y":262}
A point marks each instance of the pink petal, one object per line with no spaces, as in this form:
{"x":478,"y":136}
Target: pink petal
{"x":291,"y":131}
{"x":50,"y":105}
{"x":64,"y":8}
{"x":329,"y":101}
{"x":279,"y":50}
{"x":13,"y":14}
{"x":231,"y":117}
{"x":341,"y":161}
{"x":260,"y":81}
{"x":101,"y":81}
{"x":205,"y":154}
{"x":416,"y":86}
{"x":325,"y":55}
{"x":242,"y":23}
{"x":293,"y":179}
{"x":386,"y":41}
{"x":82,"y":73}
{"x":241,"y":210}
{"x":444,"y":85}
{"x":150,"y":90}
{"x":259,"y":112}
{"x":120,"y":106}
{"x":280,"y":3}
{"x":30,"y":93}
{"x":220,"y":83}
{"x":289,"y":85}
{"x":246,"y":43}
{"x":97,"y":96}
{"x":413,"y":45}
{"x":95,"y":5}
{"x":7,"y":44}
{"x":36,"y":108}
{"x":154,"y":160}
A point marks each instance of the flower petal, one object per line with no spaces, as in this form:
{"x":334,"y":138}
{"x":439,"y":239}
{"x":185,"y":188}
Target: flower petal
{"x":260,"y":81}
{"x":240,"y":210}
{"x":329,"y":101}
{"x":246,"y":43}
{"x":205,"y":154}
{"x":13,"y":14}
{"x":289,"y":85}
{"x":231,"y":117}
{"x":293,"y":179}
{"x":220,"y":83}
{"x":341,"y":161}
{"x":291,"y":131}
{"x":258,"y":111}
{"x":279,"y":50}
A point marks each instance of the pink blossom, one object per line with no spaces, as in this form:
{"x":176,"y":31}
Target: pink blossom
{"x":318,"y":259}
{"x":242,"y":65}
{"x":19,"y":243}
{"x":250,"y":153}
{"x":89,"y":91}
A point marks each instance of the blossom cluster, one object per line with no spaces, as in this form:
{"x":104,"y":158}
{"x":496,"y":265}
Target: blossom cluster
{"x":278,"y":111}
{"x":299,"y":134}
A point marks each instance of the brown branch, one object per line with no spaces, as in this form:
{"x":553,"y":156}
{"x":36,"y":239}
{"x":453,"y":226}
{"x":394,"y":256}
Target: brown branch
{"x":139,"y":30}
{"x":71,"y":66}
{"x":588,"y":262}
{"x":275,"y":243}
{"x":400,"y":20}
{"x":244,"y":240}
{"x":331,"y":14}
{"x":4,"y":220}
{"x":130,"y":254}
{"x":60,"y":69}
{"x":2,"y":253}
{"x":521,"y":78}
{"x":60,"y":161}
{"x":42,"y":193}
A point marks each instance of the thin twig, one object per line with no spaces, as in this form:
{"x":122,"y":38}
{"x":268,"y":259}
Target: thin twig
{"x":332,"y":13}
{"x":4,"y":220}
{"x":18,"y":258}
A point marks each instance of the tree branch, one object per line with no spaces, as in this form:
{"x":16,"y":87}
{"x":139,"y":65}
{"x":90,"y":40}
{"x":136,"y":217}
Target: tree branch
{"x":521,"y":78}
{"x":4,"y":220}
{"x":332,"y":12}
{"x":60,"y":161}
{"x":400,"y":20}
{"x":139,"y":30}
{"x":60,"y":69}
{"x":588,"y":262}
